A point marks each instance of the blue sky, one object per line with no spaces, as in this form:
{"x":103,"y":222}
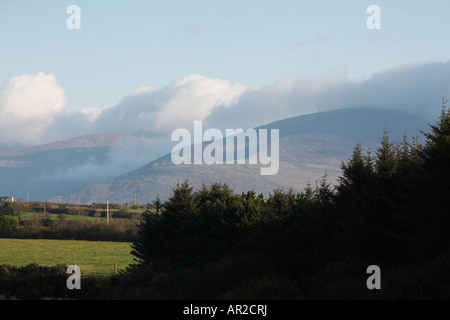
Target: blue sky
{"x":124,"y":45}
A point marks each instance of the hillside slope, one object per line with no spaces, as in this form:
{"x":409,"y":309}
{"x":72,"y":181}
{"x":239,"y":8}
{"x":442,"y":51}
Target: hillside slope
{"x":310,"y":145}
{"x":63,"y":166}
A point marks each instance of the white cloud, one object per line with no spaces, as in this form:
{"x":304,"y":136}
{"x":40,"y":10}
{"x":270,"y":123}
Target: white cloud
{"x":92,"y":113}
{"x":32,"y":107}
{"x":28,"y":105}
{"x":415,"y":88}
{"x":141,"y":90}
{"x":178,"y":105}
{"x":193,"y":98}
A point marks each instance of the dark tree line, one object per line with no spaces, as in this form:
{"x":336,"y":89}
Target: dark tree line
{"x":389,"y":208}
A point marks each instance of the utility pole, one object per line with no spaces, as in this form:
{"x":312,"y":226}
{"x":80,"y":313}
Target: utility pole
{"x":107,"y":211}
{"x":28,"y":197}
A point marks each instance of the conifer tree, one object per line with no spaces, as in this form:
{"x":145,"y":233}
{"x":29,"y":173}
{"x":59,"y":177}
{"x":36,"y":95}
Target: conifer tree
{"x":432,"y":203}
{"x":160,"y":237}
{"x":357,"y":173}
{"x":324,"y":193}
{"x":436,"y":154}
{"x":385,"y":160}
{"x":157,"y":204}
{"x":182,"y":201}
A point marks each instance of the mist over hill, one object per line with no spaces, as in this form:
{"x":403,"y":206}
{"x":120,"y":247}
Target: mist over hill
{"x":63,"y":166}
{"x":310,"y":145}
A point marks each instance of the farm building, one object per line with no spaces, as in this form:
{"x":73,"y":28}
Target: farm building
{"x":6,"y":199}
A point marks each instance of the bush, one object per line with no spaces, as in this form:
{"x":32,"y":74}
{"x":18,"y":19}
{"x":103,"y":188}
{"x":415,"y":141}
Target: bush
{"x":122,"y":213}
{"x":33,"y":282}
{"x":7,"y":208}
{"x":8,"y":225}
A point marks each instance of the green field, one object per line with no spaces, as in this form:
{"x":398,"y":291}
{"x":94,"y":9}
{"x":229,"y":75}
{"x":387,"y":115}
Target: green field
{"x":28,"y":215}
{"x":90,"y":256}
{"x":130,"y":210}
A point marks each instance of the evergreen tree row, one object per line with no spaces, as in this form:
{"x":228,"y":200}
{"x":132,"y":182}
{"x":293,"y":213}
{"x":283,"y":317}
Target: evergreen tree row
{"x":390,"y":208}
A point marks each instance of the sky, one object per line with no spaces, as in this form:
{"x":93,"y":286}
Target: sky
{"x":148,"y":67}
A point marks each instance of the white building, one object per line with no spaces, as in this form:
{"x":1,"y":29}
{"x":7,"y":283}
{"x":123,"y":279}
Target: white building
{"x":6,"y":199}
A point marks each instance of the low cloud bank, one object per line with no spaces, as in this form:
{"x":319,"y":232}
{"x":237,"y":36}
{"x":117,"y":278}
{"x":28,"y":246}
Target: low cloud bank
{"x":33,"y":108}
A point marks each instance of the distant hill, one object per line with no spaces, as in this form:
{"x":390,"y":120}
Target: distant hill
{"x":309,"y":146}
{"x":90,"y":141}
{"x":61,"y":167}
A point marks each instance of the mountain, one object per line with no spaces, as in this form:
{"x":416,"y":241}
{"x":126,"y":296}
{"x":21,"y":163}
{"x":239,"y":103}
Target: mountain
{"x":310,"y":145}
{"x":63,"y":166}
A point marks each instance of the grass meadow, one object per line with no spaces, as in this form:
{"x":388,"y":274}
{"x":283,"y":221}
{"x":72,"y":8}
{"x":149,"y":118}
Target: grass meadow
{"x":91,"y":256}
{"x":28,"y":215}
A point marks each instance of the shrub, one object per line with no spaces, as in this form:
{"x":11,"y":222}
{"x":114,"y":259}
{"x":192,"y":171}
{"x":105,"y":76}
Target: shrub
{"x":33,"y":281}
{"x":8,"y":225}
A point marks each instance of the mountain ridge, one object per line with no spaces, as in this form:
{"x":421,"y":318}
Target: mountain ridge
{"x":86,"y":141}
{"x":310,"y":145}
{"x":63,"y":166}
